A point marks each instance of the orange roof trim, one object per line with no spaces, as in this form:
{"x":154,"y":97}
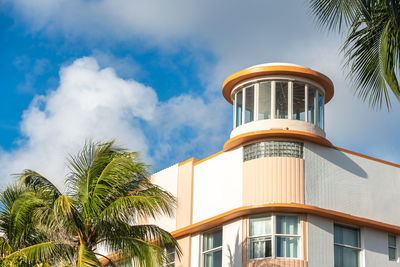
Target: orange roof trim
{"x":264,"y":70}
{"x":251,"y":136}
{"x":283,"y":207}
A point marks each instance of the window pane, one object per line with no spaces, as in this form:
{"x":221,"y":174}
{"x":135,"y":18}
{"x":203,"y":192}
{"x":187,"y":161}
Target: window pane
{"x":320,"y":111}
{"x":311,"y":104}
{"x":287,"y":225}
{"x":287,"y":247}
{"x":213,"y":259}
{"x":239,"y":103}
{"x":392,"y":241}
{"x":281,"y":100}
{"x":346,"y":257}
{"x":260,"y":226}
{"x":392,"y":254}
{"x":212,"y":240}
{"x":264,"y":101}
{"x":249,"y":113}
{"x":299,"y":101}
{"x":347,"y":236}
{"x":260,"y":248}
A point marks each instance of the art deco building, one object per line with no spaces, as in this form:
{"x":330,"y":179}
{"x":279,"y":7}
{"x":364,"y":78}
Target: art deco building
{"x":280,"y":193}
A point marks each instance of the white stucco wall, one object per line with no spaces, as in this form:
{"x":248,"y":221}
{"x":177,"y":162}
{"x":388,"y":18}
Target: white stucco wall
{"x":320,"y":242}
{"x":232,"y":244}
{"x":195,"y":251}
{"x":217,"y":185}
{"x":351,"y":184}
{"x":376,"y":251}
{"x":167,"y":179}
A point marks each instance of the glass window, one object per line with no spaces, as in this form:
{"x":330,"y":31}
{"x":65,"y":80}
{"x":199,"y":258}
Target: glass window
{"x":320,"y":110}
{"x":264,"y":101}
{"x":311,"y":109}
{"x":347,"y":246}
{"x":287,"y":240}
{"x":286,"y":236}
{"x":299,"y":101}
{"x":249,"y":112}
{"x":239,"y":104}
{"x":281,"y":100}
{"x":260,"y":236}
{"x":212,"y":249}
{"x":392,"y":247}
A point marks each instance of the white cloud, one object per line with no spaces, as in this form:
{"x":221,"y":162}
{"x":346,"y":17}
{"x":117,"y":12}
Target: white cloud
{"x":94,"y":103}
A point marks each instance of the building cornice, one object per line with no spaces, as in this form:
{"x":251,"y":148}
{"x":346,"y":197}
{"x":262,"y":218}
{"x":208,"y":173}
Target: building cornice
{"x":282,"y":207}
{"x":241,"y":139}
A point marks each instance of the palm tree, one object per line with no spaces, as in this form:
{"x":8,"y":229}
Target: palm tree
{"x":372,"y":45}
{"x":106,"y":190}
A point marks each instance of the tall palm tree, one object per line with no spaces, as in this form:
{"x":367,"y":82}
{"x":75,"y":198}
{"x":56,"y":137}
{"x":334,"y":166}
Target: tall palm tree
{"x":372,"y":45}
{"x":106,"y":190}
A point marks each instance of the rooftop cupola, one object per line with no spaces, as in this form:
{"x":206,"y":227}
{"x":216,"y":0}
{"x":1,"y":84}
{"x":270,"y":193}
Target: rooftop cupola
{"x":277,"y":100}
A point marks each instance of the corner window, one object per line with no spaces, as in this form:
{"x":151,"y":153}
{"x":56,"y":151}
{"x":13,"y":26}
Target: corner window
{"x":346,"y":246}
{"x":274,"y":236}
{"x":249,"y":111}
{"x":212,"y":248}
{"x":312,"y":101}
{"x":264,"y":101}
{"x":238,"y":108}
{"x":299,"y":101}
{"x":281,"y":100}
{"x":320,"y":110}
{"x":392,"y":247}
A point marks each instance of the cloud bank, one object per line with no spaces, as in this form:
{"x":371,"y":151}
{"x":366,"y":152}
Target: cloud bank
{"x":94,"y":103}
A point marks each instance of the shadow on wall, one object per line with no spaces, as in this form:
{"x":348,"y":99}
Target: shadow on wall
{"x":235,"y":259}
{"x":341,"y":160}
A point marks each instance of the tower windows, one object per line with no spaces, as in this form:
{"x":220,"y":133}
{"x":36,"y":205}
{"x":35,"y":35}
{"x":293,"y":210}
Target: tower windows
{"x":279,"y":99}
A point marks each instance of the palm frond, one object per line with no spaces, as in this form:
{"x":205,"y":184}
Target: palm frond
{"x":86,"y":257}
{"x":34,"y":180}
{"x":44,"y":252}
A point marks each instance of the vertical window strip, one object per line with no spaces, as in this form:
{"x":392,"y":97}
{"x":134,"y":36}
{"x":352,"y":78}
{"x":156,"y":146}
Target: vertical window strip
{"x":392,"y":248}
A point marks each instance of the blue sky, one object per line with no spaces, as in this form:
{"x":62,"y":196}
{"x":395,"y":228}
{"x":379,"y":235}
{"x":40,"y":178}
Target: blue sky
{"x":150,"y":75}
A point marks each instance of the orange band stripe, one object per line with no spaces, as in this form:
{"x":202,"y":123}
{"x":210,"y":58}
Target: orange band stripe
{"x":282,"y":207}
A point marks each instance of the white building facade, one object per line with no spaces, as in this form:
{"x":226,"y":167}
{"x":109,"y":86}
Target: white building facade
{"x":279,"y":193}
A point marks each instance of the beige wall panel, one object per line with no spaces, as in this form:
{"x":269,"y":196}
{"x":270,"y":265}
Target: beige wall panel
{"x":273,"y":180}
{"x":185,"y":194}
{"x":185,"y":245}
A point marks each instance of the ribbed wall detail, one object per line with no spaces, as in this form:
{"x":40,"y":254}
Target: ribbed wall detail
{"x":273,"y":180}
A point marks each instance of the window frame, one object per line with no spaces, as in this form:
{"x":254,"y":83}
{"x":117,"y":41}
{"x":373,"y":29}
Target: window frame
{"x":241,"y":87}
{"x":359,"y":249}
{"x":203,"y":253}
{"x":274,"y":236}
{"x":392,"y":247}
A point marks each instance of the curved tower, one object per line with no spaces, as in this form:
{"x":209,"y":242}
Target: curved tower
{"x":277,"y":100}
